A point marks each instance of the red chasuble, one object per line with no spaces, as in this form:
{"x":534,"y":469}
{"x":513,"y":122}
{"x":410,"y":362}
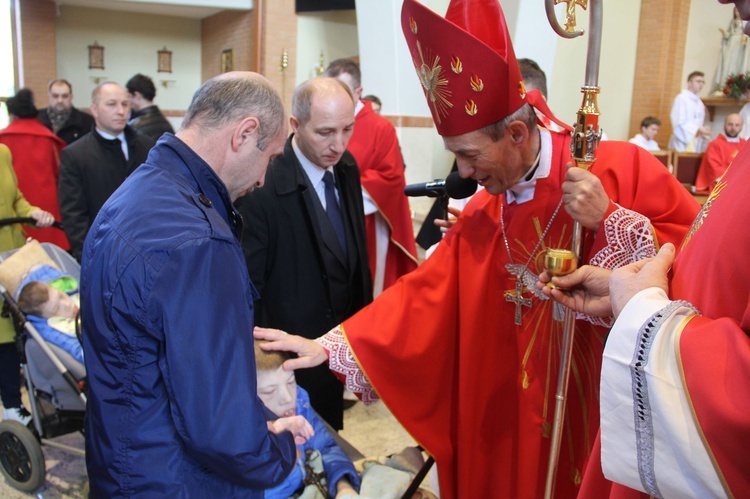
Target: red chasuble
{"x":710,"y":272}
{"x":36,"y":160}
{"x":375,"y":147}
{"x":443,"y":351}
{"x":715,"y":160}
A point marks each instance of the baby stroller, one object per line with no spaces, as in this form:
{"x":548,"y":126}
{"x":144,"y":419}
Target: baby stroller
{"x":54,"y":379}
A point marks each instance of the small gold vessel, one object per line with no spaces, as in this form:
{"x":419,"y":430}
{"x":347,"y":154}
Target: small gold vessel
{"x":559,"y":262}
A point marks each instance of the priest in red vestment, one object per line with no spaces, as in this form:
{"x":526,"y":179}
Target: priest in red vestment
{"x":467,"y":349}
{"x":390,"y":237}
{"x":36,"y":159}
{"x":719,"y":153}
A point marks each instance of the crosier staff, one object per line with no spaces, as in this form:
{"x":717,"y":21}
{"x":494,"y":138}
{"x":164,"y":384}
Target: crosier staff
{"x":586,"y":136}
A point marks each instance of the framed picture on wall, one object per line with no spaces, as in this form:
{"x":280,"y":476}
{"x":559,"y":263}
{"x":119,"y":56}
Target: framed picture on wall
{"x":227,"y":60}
{"x":164,"y":60}
{"x":96,"y":56}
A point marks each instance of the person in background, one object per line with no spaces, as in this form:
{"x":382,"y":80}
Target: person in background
{"x":145,"y":115}
{"x":12,"y":205}
{"x":391,"y":246}
{"x":375,"y":100}
{"x":36,"y":160}
{"x":92,"y":168}
{"x":65,"y":121}
{"x":719,"y":155}
{"x":688,"y":116}
{"x":646,"y":138}
{"x":304,"y":233}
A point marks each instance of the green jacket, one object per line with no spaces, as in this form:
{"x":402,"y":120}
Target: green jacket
{"x":12,"y":204}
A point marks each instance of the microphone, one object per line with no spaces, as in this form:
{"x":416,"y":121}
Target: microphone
{"x":453,"y":186}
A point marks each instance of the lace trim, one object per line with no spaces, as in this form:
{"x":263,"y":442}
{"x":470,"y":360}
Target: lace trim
{"x":644,"y":427}
{"x":629,"y":239}
{"x":342,"y":361}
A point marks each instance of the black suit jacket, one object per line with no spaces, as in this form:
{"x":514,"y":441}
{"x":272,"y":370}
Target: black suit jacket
{"x":306,"y":284}
{"x":91,"y":170}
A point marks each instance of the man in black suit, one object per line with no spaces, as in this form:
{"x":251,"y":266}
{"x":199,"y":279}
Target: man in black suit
{"x":92,"y":168}
{"x":304,"y":235}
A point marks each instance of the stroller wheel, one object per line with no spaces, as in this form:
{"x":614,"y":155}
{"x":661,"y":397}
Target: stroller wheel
{"x":21,"y":457}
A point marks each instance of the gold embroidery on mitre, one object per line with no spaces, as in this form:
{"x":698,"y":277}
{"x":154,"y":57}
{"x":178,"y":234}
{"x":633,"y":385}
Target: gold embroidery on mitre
{"x":434,"y":84}
{"x":476,"y":83}
{"x":471,"y":107}
{"x":522,"y":89}
{"x":412,"y":25}
{"x":456,"y":65}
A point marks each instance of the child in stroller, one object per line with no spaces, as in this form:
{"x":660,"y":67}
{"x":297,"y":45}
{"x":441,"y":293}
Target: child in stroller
{"x":49,"y":298}
{"x":54,"y":377}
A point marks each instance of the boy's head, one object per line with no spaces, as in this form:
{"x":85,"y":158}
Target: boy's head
{"x":277,"y":388}
{"x":40,"y":299}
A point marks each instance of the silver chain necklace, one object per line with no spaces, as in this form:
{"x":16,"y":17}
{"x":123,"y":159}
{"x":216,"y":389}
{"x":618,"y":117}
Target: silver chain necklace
{"x":517,"y":296}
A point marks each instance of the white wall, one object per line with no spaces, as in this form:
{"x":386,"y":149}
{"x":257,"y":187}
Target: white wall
{"x":702,"y":48}
{"x":388,"y":72}
{"x":616,"y":73}
{"x":334,"y":32}
{"x":131,"y":42}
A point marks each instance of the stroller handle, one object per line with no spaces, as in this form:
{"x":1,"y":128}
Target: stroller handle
{"x":26,"y":220}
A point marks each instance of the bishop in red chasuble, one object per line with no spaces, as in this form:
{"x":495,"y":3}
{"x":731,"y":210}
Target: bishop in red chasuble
{"x":463,"y":350}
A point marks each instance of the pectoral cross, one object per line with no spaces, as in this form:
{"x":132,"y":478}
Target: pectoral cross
{"x":570,"y":12}
{"x":516,"y":296}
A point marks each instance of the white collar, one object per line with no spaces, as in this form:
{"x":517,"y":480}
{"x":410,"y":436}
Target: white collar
{"x":733,"y":140}
{"x":313,"y":171}
{"x":108,"y":136}
{"x":523,"y":191}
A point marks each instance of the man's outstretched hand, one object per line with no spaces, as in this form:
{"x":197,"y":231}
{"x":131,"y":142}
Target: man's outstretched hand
{"x":585,"y":290}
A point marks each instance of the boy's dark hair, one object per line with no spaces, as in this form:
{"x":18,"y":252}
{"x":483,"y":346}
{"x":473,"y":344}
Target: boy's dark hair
{"x":32,"y":297}
{"x":142,"y":84}
{"x":694,"y":74}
